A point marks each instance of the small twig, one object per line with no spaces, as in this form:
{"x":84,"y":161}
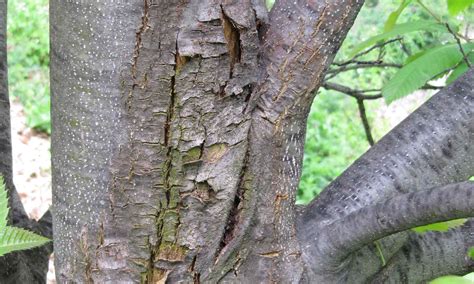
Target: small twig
{"x":431,"y":87}
{"x":405,"y":48}
{"x":436,"y":17}
{"x":378,"y":45}
{"x":466,"y":31}
{"x":429,"y":11}
{"x":360,"y":65}
{"x":357,"y":94}
{"x":458,"y":41}
{"x":365,"y":121}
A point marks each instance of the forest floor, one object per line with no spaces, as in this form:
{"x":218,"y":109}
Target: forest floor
{"x":31,"y":168}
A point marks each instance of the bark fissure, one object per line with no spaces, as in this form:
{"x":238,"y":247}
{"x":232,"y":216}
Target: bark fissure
{"x":234,"y":216}
{"x":199,"y":184}
{"x":232,"y":36}
{"x":139,"y":35}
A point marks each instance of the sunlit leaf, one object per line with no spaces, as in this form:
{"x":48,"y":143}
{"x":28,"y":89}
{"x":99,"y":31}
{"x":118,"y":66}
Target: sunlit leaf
{"x":397,"y":30}
{"x":470,"y":253}
{"x":440,"y":227}
{"x":459,"y":70}
{"x":451,"y":279}
{"x":269,"y":4}
{"x":417,"y":73}
{"x":457,"y":6}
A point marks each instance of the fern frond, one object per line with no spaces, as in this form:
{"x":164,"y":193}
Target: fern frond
{"x":13,"y":239}
{"x":3,"y":204}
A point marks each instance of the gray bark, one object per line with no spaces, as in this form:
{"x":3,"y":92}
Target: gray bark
{"x":177,"y":143}
{"x":20,"y":267}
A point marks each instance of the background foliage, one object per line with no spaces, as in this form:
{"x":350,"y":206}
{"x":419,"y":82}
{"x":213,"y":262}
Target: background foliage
{"x":28,"y":59}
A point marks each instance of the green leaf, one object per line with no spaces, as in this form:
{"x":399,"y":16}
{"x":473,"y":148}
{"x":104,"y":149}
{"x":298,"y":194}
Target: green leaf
{"x":457,"y":6}
{"x":440,"y":227}
{"x":392,"y":19}
{"x":460,"y":69}
{"x":13,"y":239}
{"x":415,"y":56}
{"x":400,"y":29}
{"x":269,"y":4}
{"x":469,"y":276}
{"x":451,"y":279}
{"x":470,"y":252}
{"x":416,"y":73}
{"x":3,"y":204}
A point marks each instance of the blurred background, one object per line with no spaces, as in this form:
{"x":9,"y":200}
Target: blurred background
{"x":335,"y":133}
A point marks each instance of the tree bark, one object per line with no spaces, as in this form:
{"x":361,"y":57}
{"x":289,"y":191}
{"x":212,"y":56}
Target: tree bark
{"x":30,"y":266}
{"x":178,"y":135}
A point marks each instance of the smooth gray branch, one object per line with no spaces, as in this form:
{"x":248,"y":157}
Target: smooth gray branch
{"x":398,"y":214}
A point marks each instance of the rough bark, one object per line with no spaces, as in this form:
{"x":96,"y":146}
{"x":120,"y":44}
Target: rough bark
{"x":30,"y":266}
{"x":159,"y":132}
{"x":178,"y":135}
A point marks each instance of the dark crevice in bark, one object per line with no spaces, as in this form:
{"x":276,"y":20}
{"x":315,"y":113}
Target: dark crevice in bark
{"x":84,"y":245}
{"x":232,"y":36}
{"x":233,"y":218}
{"x":138,"y":38}
{"x":192,"y":269}
{"x":156,"y":250}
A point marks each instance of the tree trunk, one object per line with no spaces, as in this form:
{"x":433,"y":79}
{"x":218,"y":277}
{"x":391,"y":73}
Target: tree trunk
{"x":30,"y":266}
{"x":178,"y":135}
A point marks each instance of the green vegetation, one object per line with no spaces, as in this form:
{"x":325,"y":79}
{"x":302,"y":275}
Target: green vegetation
{"x":426,"y":49}
{"x":11,"y":238}
{"x":28,"y":59}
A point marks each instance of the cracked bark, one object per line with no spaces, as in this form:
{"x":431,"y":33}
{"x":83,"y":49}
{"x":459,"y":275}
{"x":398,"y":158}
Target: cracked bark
{"x":178,"y":132}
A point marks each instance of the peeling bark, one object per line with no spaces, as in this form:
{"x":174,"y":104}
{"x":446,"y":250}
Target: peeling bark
{"x":178,"y":135}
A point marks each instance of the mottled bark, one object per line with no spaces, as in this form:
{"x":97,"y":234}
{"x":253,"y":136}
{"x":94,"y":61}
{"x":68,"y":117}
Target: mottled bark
{"x":178,"y":135}
{"x":432,"y":147}
{"x":20,"y":267}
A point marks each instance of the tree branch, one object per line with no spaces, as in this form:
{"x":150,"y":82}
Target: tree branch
{"x":365,"y":121}
{"x":362,"y":65}
{"x":357,"y":94}
{"x":395,"y":215}
{"x":427,"y":149}
{"x":458,"y":42}
{"x":431,"y":255}
{"x":300,"y":43}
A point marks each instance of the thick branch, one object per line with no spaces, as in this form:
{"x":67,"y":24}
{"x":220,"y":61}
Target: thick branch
{"x":302,"y":40}
{"x":431,"y":255}
{"x":427,"y":149}
{"x":430,"y":148}
{"x":394,"y":215}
